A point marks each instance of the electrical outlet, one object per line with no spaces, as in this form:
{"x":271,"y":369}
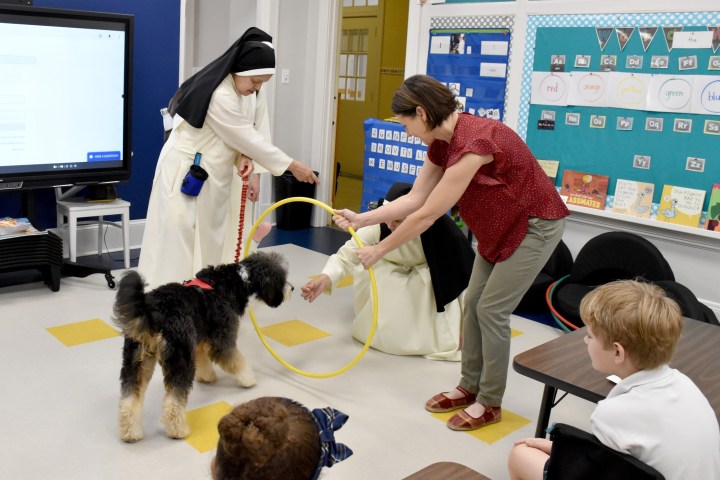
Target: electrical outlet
{"x":285,"y":76}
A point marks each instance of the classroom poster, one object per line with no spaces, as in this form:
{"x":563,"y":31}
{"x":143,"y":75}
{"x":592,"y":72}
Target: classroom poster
{"x":473,"y":63}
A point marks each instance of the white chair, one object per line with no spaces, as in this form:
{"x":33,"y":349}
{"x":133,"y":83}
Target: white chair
{"x":74,"y":208}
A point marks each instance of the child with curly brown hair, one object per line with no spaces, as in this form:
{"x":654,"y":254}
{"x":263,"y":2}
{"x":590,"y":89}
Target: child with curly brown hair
{"x":276,"y":437}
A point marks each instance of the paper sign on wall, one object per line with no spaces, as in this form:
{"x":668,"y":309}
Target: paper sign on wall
{"x":493,"y":69}
{"x":706,"y":95}
{"x":670,"y":93}
{"x":494,"y":48}
{"x":627,"y":90}
{"x":549,"y":88}
{"x":440,"y":44}
{"x":692,"y":39}
{"x":588,"y":89}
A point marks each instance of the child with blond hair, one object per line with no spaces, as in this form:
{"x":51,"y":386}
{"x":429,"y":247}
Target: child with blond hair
{"x":655,"y":413}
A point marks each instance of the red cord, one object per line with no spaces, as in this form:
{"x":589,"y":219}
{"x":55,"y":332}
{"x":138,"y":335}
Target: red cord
{"x":548,"y":300}
{"x":243,"y":198}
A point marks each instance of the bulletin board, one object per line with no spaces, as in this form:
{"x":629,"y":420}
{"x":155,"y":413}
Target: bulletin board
{"x":391,"y":155}
{"x":473,"y":63}
{"x":669,"y":139}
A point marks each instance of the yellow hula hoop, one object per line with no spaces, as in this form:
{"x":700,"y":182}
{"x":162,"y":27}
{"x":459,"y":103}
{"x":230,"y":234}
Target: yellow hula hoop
{"x":372,"y":283}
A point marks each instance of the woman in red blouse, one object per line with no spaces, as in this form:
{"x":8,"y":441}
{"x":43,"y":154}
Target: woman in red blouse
{"x":511,"y":207}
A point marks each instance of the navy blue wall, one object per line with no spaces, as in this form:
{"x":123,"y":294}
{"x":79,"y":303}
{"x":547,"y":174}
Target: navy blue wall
{"x":155,"y":79}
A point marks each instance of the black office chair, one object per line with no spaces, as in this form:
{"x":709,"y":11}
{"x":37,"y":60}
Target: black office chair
{"x":609,"y":256}
{"x":577,"y":454}
{"x":690,"y":306}
{"x":557,"y":266}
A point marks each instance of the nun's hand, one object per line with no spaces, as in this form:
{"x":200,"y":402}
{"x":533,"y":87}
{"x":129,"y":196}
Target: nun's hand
{"x":312,"y":289}
{"x":346,"y":219}
{"x":254,"y":187}
{"x":246,"y":167}
{"x":302,"y":172}
{"x":369,"y":256}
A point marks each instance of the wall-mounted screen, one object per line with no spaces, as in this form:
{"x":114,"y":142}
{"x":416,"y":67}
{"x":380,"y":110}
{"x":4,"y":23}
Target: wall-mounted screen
{"x":65,"y":88}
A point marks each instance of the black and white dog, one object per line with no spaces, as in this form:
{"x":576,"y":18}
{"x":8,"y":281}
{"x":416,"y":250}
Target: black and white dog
{"x":185,"y":327}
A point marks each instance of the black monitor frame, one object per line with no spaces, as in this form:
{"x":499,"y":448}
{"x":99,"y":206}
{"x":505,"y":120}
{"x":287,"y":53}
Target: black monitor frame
{"x":43,"y":178}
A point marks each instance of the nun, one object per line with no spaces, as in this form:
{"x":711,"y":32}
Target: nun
{"x":420,"y":287}
{"x":219,"y":125}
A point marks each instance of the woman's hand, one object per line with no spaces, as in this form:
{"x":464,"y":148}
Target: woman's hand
{"x":542,"y":444}
{"x":302,"y":172}
{"x":253,"y":192}
{"x":312,"y":289}
{"x":369,"y":256}
{"x":346,"y":218}
{"x":246,"y":167}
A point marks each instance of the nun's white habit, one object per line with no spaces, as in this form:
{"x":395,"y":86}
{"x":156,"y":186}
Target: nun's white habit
{"x":184,"y":234}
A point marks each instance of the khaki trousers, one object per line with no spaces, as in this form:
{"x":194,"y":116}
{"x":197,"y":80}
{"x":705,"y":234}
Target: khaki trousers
{"x":494,"y":291}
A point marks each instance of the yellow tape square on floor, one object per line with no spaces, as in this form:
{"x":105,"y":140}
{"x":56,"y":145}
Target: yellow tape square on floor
{"x":510,"y":423}
{"x":203,"y":423}
{"x":88,"y":331}
{"x":515,"y":333}
{"x":293,"y":332}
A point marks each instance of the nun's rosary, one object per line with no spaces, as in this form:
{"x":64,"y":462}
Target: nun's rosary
{"x":243,"y":201}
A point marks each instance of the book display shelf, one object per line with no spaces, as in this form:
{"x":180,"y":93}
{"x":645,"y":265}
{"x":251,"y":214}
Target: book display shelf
{"x":688,"y":236}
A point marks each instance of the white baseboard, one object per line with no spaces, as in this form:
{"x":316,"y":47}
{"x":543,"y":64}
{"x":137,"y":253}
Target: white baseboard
{"x":87,"y":238}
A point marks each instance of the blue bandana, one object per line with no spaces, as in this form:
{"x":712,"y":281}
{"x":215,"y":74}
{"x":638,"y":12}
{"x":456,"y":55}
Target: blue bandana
{"x":328,"y":420}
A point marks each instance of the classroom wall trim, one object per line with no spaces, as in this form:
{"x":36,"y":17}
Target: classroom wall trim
{"x":475,"y":21}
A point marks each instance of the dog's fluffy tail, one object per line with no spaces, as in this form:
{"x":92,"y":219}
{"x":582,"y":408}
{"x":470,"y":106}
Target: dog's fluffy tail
{"x":129,"y":311}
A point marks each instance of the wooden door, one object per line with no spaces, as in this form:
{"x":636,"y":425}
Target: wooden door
{"x":358,"y":79}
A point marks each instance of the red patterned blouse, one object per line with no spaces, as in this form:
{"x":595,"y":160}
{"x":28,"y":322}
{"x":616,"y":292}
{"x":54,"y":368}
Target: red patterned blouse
{"x":504,"y":193}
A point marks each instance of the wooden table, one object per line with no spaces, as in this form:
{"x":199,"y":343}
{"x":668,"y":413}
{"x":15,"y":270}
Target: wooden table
{"x":446,"y":471}
{"x":564,"y":364}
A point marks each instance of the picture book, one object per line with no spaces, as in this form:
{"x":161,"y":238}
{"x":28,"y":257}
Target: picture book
{"x":713,"y":213}
{"x":584,"y":189}
{"x":633,"y":198}
{"x":550,"y":167}
{"x":17,"y":227}
{"x":680,"y":205}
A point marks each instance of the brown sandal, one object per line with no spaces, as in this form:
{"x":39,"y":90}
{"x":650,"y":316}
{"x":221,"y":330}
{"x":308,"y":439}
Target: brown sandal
{"x":463,"y":421}
{"x":440,"y":403}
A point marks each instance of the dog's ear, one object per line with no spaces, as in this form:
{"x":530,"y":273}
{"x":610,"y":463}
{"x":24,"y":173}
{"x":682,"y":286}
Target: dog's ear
{"x":268,"y":276}
{"x":205,"y":274}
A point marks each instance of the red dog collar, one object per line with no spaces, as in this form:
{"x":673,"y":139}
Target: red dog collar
{"x":196,"y":282}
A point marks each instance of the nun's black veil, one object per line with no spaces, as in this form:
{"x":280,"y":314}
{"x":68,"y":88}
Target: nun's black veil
{"x":448,"y":253}
{"x":192,"y":99}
